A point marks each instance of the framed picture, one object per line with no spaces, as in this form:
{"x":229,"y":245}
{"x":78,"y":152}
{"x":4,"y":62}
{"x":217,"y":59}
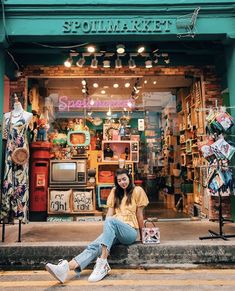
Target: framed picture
{"x":40,"y":180}
{"x":108,"y":129}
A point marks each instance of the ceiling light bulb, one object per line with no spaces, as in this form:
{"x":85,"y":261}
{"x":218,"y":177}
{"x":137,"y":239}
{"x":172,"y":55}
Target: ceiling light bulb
{"x":131,"y":63}
{"x":115,"y":85}
{"x":148,"y":64}
{"x":109,"y":113}
{"x":91,"y":49}
{"x":167,"y":61}
{"x":129,"y":104}
{"x":145,"y":81}
{"x":120,"y":49}
{"x":68,"y":63}
{"x":127,"y":85}
{"x":154,"y":82}
{"x":136,"y":90}
{"x":95,"y":85}
{"x":81,"y":62}
{"x":118,"y":63}
{"x":103,"y":92}
{"x":106,"y":63}
{"x":94,"y":63}
{"x":83,"y":90}
{"x":84,"y":82}
{"x":92,"y":102}
{"x":141,"y":49}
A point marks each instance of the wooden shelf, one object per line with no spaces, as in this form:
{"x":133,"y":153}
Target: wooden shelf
{"x":109,"y":168}
{"x":118,"y":148}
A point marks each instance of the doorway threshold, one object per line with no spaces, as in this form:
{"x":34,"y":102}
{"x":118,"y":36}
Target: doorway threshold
{"x":177,"y":219}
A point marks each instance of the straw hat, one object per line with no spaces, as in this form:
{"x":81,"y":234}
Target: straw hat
{"x":20,"y":156}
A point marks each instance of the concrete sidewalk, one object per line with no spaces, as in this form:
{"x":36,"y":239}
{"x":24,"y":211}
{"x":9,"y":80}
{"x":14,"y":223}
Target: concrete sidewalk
{"x":180,"y":244}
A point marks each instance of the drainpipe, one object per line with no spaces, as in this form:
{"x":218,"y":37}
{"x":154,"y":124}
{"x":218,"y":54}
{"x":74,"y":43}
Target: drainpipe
{"x":2,"y":72}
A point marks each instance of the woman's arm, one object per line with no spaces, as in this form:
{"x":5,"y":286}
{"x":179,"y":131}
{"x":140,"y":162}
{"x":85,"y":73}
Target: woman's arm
{"x":140,"y":219}
{"x":110,"y":211}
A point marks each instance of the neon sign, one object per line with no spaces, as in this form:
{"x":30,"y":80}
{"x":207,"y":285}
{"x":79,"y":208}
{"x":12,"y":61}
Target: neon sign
{"x":68,"y":104}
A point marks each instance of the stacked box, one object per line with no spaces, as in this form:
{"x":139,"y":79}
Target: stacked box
{"x":188,"y":201}
{"x":169,"y":201}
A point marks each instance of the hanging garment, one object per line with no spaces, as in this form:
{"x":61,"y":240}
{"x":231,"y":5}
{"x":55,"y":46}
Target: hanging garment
{"x":15,"y":191}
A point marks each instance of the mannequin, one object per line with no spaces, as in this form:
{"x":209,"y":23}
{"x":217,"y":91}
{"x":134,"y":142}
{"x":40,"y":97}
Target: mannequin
{"x":18,"y":112}
{"x":15,"y":194}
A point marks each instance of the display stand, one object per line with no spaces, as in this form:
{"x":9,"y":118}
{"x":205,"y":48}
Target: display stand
{"x":4,"y":228}
{"x":221,"y":219}
{"x":220,"y":234}
{"x":4,"y":231}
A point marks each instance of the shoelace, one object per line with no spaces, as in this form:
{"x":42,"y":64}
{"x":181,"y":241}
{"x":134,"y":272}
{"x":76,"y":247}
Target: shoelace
{"x":98,"y":266}
{"x":60,"y":262}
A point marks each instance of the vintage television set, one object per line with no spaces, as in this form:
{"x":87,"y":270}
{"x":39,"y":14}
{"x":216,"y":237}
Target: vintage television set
{"x":78,"y":138}
{"x":68,"y":173}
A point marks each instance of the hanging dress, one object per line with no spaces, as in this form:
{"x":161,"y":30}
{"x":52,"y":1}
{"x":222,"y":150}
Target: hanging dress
{"x":15,"y":191}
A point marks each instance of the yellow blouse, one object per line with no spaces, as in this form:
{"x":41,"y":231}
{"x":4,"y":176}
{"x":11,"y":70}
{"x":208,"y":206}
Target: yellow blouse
{"x":127,"y":213}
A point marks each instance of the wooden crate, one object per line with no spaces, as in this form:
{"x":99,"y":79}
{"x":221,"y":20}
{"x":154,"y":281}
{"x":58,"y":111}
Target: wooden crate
{"x":188,"y":200}
{"x":169,"y":201}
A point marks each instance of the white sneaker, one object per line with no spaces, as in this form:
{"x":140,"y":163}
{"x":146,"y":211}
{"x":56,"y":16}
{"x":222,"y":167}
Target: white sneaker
{"x":101,"y":269}
{"x":60,"y":271}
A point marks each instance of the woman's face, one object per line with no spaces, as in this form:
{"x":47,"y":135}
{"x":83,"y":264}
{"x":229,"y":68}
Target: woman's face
{"x":123,"y":181}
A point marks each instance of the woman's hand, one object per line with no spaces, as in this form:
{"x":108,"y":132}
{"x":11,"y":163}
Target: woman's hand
{"x":110,"y":212}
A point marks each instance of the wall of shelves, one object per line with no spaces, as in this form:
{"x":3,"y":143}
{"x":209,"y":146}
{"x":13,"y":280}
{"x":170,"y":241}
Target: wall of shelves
{"x":106,"y":171}
{"x":181,"y":130}
{"x":153,"y":141}
{"x":127,"y":150}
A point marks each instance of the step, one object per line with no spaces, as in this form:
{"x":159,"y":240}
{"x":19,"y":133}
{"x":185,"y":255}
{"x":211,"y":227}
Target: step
{"x":34,"y":255}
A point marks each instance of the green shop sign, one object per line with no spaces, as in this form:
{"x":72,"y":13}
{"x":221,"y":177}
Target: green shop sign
{"x":110,"y":26}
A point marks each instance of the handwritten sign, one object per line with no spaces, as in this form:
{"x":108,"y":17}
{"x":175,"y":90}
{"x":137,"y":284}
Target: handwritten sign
{"x":82,"y":201}
{"x":60,"y":201}
{"x":60,"y":218}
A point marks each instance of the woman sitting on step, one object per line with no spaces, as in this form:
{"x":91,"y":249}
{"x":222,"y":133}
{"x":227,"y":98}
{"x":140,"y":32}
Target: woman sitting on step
{"x":123,"y":221}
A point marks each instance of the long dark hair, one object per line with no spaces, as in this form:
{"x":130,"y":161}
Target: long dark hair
{"x":119,"y":192}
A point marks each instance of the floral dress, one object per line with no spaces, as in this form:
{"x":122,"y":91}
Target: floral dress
{"x":15,"y":192}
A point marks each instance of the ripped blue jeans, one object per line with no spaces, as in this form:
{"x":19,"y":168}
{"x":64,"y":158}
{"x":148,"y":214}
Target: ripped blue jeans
{"x":114,"y":232}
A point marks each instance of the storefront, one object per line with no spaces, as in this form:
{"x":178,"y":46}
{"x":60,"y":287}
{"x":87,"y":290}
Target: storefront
{"x":118,"y":105}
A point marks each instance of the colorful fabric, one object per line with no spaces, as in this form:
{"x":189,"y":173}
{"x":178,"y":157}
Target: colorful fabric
{"x":15,"y":192}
